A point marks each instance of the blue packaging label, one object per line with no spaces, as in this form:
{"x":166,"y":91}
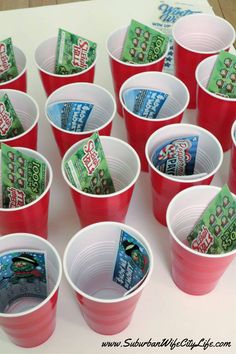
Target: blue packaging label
{"x":177,"y":157}
{"x":71,"y":116}
{"x":22,"y":275}
{"x":144,"y":102}
{"x":132,"y":262}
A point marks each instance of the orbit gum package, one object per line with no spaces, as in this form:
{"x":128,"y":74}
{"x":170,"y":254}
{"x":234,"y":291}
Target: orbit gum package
{"x":215,"y":231}
{"x":223,"y":77}
{"x":10,"y":124}
{"x":8,"y":68}
{"x":87,"y":168}
{"x":74,"y":53}
{"x":143,"y":44}
{"x":144,"y":102}
{"x":132,"y":262}
{"x":23,"y":178}
{"x":23,"y":279}
{"x":176,"y":157}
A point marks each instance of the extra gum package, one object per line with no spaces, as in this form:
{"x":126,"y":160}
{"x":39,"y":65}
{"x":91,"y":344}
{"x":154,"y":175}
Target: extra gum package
{"x":74,"y":53}
{"x":10,"y":124}
{"x":87,"y":168}
{"x":8,"y":68}
{"x":143,"y":44}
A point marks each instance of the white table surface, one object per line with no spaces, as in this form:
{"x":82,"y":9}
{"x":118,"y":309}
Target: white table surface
{"x":163,"y":311}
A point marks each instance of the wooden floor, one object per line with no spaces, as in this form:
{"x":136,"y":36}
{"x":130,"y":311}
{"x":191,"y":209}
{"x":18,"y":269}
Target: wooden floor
{"x":223,"y":8}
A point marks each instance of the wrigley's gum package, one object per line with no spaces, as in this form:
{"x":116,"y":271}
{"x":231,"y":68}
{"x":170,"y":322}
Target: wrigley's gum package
{"x":143,"y":44}
{"x":223,"y":77}
{"x":144,"y":102}
{"x":23,"y":178}
{"x":8,"y":68}
{"x":215,"y":231}
{"x":74,"y":53}
{"x":176,"y":157}
{"x":10,"y":124}
{"x":87,"y":169}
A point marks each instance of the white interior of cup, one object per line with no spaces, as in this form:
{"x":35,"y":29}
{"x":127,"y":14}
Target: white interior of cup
{"x":175,"y":103}
{"x":209,"y":152}
{"x":90,"y":258}
{"x":104,"y":104}
{"x":38,"y":156}
{"x":203,"y":33}
{"x":20,"y":63}
{"x":122,"y":160}
{"x":185,"y":210}
{"x":26,"y":109}
{"x":25,"y":305}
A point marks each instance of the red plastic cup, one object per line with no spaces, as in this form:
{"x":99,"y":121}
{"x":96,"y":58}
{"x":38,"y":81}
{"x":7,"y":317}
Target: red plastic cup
{"x":197,"y":37}
{"x":208,"y":161}
{"x":101,"y":122}
{"x":120,"y":70}
{"x":138,"y":128}
{"x":28,"y":112}
{"x":210,"y":106}
{"x":124,"y":166}
{"x":89,"y":261}
{"x":193,"y":272}
{"x":20,"y":81}
{"x":232,"y":171}
{"x":33,"y":323}
{"x":32,"y":217}
{"x":45,"y":57}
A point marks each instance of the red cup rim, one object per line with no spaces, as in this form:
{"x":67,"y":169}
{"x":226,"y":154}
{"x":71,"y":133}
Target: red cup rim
{"x":19,"y":75}
{"x":37,"y":307}
{"x":211,"y":58}
{"x":5,"y":141}
{"x":49,"y":168}
{"x":233,"y":132}
{"x":131,"y":64}
{"x":196,"y":253}
{"x":101,"y":196}
{"x":156,"y":73}
{"x":121,"y":299}
{"x":179,"y":180}
{"x":63,"y":76}
{"x":87,"y":131}
{"x":202,"y":51}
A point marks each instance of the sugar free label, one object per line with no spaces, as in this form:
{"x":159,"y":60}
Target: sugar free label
{"x":144,"y":102}
{"x":132,"y":262}
{"x":71,"y":116}
{"x":176,"y":157}
{"x":23,"y":274}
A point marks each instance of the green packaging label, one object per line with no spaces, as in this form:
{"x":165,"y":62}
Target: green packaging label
{"x":74,"y":53}
{"x":87,"y":169}
{"x":23,"y":178}
{"x":223,"y":77}
{"x":143,"y":44}
{"x":8,"y":68}
{"x":215,"y":231}
{"x":10,"y":124}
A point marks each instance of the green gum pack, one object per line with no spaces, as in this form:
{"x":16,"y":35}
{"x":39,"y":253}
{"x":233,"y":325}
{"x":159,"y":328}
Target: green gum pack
{"x":87,"y":168}
{"x":143,"y":44}
{"x":215,"y":231}
{"x":74,"y":53}
{"x":23,"y":178}
{"x":8,"y":68}
{"x":223,"y":77}
{"x":10,"y":124}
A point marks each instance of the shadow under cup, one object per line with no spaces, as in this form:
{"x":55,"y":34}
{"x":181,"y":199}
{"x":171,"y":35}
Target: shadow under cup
{"x":89,"y":263}
{"x":29,"y":321}
{"x":124,"y":166}
{"x":193,"y":272}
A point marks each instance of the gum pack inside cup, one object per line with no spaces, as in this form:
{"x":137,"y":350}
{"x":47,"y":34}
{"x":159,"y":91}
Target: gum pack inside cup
{"x":104,"y":104}
{"x":26,"y":109}
{"x":203,"y":33}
